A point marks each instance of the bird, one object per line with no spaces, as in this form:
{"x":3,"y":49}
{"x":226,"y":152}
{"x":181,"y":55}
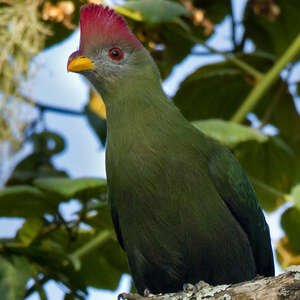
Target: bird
{"x":182,"y":207}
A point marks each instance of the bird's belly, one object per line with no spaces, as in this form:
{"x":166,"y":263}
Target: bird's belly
{"x":165,"y":253}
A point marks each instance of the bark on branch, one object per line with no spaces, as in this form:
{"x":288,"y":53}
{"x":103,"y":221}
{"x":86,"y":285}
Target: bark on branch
{"x":282,"y":287}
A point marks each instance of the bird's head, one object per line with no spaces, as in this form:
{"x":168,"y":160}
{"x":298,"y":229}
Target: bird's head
{"x":109,"y":53}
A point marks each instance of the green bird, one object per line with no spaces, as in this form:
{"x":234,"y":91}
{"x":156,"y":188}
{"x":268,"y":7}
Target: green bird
{"x":182,"y":207}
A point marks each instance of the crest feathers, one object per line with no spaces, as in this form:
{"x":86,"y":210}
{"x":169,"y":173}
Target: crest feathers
{"x":101,"y":25}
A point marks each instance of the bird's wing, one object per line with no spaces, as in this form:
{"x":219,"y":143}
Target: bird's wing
{"x":235,"y":189}
{"x":115,"y":219}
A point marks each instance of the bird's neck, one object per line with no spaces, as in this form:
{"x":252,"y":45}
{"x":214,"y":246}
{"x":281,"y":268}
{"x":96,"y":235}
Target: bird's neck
{"x":134,"y":107}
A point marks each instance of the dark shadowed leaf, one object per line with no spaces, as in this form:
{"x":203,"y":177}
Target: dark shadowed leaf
{"x":272,"y":164}
{"x":217,"y":90}
{"x":67,"y":188}
{"x":229,"y":133}
{"x":274,"y":27}
{"x":14,"y":274}
{"x":100,"y":220}
{"x":101,"y":267}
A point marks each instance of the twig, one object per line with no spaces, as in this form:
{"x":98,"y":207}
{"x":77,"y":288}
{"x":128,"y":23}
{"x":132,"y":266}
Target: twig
{"x":239,"y":63}
{"x":43,"y":107}
{"x":233,"y":25}
{"x":266,"y":81}
{"x":34,"y":287}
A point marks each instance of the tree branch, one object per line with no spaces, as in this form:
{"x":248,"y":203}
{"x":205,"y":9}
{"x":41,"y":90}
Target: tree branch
{"x":233,"y":25}
{"x":239,"y":63}
{"x":282,"y":287}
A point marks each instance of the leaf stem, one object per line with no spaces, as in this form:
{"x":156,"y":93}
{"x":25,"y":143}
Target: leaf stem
{"x":88,"y":247}
{"x":266,"y":81}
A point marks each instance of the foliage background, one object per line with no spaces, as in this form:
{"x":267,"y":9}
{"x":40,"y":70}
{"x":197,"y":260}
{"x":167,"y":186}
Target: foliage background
{"x":66,"y":234}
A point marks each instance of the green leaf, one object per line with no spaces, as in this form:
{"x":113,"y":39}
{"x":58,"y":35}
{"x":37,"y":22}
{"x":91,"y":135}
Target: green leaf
{"x":67,"y":188}
{"x":30,"y":230}
{"x":290,"y":222}
{"x":14,"y":274}
{"x":157,"y":11}
{"x":102,"y":267}
{"x":24,"y":201}
{"x":107,"y":261}
{"x":295,"y":193}
{"x":275,"y":26}
{"x":217,"y":90}
{"x":229,"y":133}
{"x":272,"y":168}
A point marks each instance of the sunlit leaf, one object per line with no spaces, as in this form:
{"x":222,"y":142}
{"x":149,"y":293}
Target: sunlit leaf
{"x":229,"y":133}
{"x":157,"y":11}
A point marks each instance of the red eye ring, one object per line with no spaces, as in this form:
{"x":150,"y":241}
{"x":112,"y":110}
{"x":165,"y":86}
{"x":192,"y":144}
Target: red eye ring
{"x":115,"y":53}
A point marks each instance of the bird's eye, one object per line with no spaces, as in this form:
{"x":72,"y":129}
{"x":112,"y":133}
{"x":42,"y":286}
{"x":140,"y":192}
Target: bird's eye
{"x":115,"y":53}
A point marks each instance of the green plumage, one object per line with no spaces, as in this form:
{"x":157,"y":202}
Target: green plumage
{"x":182,"y":207}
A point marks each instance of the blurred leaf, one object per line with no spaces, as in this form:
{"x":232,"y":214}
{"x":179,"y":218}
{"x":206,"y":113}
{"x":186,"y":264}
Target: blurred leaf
{"x":290,"y":222}
{"x":107,"y":261}
{"x":24,"y":201}
{"x":67,"y":188}
{"x":217,"y":90}
{"x":47,"y":142}
{"x":157,"y":11}
{"x":38,"y":164}
{"x":30,"y":230}
{"x":101,"y":220}
{"x":14,"y":275}
{"x":100,"y":268}
{"x":272,"y":164}
{"x":229,"y":133}
{"x":285,"y":254}
{"x":272,"y":28}
{"x":33,"y":166}
{"x":295,"y":193}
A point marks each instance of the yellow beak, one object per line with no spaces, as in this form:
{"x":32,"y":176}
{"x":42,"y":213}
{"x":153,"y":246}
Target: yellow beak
{"x":79,"y":64}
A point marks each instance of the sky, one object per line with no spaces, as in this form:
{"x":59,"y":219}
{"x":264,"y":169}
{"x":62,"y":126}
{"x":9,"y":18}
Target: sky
{"x":53,"y":85}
